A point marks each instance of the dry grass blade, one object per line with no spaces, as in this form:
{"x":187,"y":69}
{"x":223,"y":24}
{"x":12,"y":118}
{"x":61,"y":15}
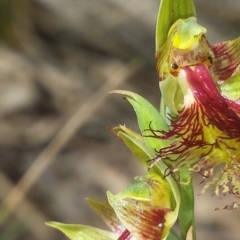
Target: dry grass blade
{"x":80,"y":116}
{"x":35,"y":219}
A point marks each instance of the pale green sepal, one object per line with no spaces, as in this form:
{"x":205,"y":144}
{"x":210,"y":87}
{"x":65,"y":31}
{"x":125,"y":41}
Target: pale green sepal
{"x":82,"y":232}
{"x":189,"y":32}
{"x":171,"y":98}
{"x":169,"y":12}
{"x":147,"y":116}
{"x":231,"y":88}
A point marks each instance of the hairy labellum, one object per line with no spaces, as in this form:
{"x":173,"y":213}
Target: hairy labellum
{"x":206,"y":132}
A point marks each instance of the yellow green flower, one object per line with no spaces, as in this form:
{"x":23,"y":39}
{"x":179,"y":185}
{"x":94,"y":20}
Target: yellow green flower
{"x":200,"y":86}
{"x":140,"y":212}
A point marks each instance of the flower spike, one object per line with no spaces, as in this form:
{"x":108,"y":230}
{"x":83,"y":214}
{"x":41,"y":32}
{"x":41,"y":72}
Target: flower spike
{"x":196,"y":130}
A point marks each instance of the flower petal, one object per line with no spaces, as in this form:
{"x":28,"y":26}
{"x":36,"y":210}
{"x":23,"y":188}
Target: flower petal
{"x":137,"y":190}
{"x":152,"y":190}
{"x":214,"y":105}
{"x":142,"y":221}
{"x":227,"y":59}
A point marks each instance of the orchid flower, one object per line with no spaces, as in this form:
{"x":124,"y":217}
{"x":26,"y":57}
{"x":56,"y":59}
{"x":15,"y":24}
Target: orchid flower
{"x":200,"y":87}
{"x":146,"y":216}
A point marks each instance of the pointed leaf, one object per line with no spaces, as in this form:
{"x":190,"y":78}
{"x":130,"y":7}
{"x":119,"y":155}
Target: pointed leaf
{"x":147,"y":116}
{"x":82,"y":232}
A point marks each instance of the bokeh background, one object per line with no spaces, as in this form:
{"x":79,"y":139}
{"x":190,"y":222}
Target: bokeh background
{"x":58,"y":61}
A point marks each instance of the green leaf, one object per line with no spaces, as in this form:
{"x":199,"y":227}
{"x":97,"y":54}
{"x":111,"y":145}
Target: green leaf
{"x":147,"y":116}
{"x":169,"y":12}
{"x":82,"y":232}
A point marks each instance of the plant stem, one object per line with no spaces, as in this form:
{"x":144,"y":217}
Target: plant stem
{"x":186,"y":212}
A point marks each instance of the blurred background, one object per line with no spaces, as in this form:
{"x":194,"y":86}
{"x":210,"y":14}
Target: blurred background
{"x":58,"y":61}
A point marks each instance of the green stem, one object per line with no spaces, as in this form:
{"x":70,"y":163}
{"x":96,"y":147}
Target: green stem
{"x":173,"y":235}
{"x":186,"y":212}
